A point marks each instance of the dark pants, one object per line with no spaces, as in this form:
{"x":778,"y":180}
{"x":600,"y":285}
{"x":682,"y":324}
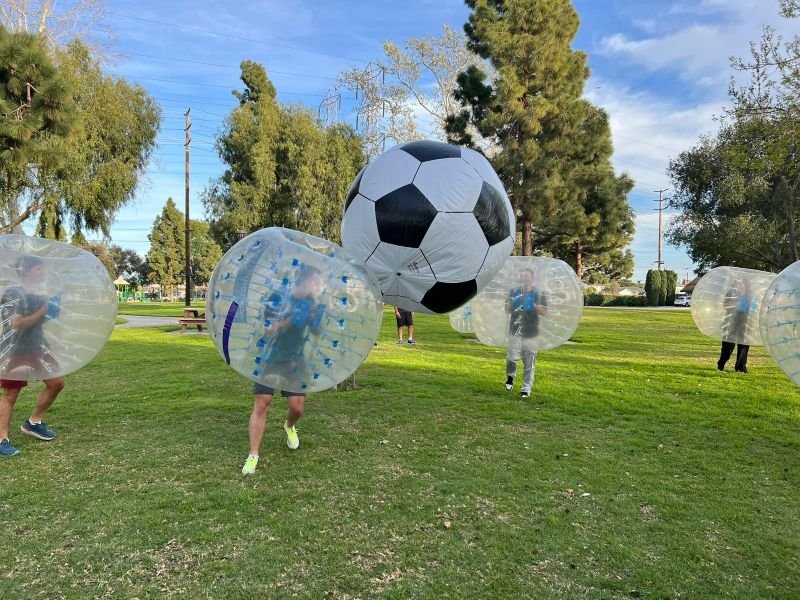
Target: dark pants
{"x":741,"y":356}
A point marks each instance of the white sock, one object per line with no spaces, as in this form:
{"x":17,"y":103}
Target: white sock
{"x":253,"y":456}
{"x":32,"y":422}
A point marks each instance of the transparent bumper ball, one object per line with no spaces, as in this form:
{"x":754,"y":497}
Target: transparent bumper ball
{"x":58,"y":307}
{"x":292,"y":311}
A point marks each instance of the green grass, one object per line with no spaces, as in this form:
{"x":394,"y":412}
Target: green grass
{"x":636,"y":470}
{"x":155,"y":309}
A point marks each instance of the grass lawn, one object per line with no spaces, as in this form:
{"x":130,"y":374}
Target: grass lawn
{"x":635,"y":470}
{"x":155,"y":309}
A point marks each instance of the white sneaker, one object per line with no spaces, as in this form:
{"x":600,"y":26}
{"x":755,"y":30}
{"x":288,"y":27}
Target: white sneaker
{"x":249,"y":467}
{"x":291,"y":437}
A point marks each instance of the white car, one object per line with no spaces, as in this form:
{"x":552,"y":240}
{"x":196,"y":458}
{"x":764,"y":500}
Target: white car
{"x":683,"y":299}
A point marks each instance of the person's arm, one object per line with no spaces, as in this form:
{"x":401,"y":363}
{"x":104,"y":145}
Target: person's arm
{"x":541,"y":306}
{"x":396,"y":312}
{"x":21,"y":323}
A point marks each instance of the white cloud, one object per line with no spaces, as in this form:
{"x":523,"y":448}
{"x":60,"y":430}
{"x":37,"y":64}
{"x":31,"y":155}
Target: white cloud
{"x":649,"y":130}
{"x":700,"y":50}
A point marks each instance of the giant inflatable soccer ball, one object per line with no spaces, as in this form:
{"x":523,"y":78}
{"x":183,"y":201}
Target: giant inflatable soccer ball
{"x":726,"y":303}
{"x":292,"y":311}
{"x":71,"y":298}
{"x":536,"y":298}
{"x":432,"y":222}
{"x":780,"y":321}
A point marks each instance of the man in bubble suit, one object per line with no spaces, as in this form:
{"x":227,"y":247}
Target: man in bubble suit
{"x":288,"y":318}
{"x":23,"y":348}
{"x":737,"y":305}
{"x":525,"y":304}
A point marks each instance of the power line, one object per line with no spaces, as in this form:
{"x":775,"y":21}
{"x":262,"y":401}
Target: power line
{"x":237,"y":67}
{"x":217,"y":85}
{"x":235,"y":37}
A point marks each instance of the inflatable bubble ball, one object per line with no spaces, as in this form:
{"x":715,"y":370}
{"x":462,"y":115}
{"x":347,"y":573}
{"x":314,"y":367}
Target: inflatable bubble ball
{"x":461,"y":319}
{"x":780,"y":321}
{"x":58,"y":307}
{"x":292,"y":311}
{"x":726,"y":304}
{"x":538,"y":300}
{"x":432,"y":222}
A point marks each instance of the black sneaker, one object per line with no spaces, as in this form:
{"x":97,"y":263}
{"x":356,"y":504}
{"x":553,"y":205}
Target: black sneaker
{"x":40,"y":430}
{"x":525,"y":394}
{"x":509,"y":384}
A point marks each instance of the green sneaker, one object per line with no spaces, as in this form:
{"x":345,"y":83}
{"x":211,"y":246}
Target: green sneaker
{"x":250,"y":465}
{"x":291,"y":437}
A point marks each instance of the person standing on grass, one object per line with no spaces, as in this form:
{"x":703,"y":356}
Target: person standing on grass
{"x":23,"y":350}
{"x":737,"y":305}
{"x":289,"y":317}
{"x":405,"y":318}
{"x":524,"y":305}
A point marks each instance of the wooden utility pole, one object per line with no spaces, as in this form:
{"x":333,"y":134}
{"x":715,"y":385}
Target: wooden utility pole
{"x":187,"y":241}
{"x":660,"y":212}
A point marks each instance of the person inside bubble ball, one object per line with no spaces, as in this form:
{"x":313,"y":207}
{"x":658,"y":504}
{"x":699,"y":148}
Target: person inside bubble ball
{"x":24,"y":309}
{"x":737,"y":305}
{"x":289,"y":316}
{"x":525,"y":304}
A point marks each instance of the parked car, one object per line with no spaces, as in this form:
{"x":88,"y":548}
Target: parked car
{"x":683,"y":299}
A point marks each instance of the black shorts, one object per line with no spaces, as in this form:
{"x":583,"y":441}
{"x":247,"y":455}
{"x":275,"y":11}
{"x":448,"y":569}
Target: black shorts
{"x":405,"y":319}
{"x":263,"y":390}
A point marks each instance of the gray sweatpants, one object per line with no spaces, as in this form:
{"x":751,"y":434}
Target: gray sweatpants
{"x":521,"y":348}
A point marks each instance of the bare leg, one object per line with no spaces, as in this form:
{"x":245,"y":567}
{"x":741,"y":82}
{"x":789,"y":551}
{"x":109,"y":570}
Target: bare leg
{"x":258,"y":421}
{"x":400,"y":333}
{"x":296,"y":407}
{"x":52,"y":388}
{"x":411,"y":332}
{"x":7,"y":410}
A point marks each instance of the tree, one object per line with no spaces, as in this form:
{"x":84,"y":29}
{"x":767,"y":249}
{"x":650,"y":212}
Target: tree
{"x":737,"y":191}
{"x":103,"y":254}
{"x":533,"y":110}
{"x":671,"y":285}
{"x":206,"y":253}
{"x":591,"y":231}
{"x":652,"y":287}
{"x":736,"y":194}
{"x":166,"y":255}
{"x":106,"y":159}
{"x":129,"y":265}
{"x":416,"y":81}
{"x":59,"y":23}
{"x":36,"y":110}
{"x":283,"y":170}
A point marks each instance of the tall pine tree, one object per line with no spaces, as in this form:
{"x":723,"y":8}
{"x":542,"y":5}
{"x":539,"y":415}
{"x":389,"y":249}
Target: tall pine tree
{"x":533,"y":111}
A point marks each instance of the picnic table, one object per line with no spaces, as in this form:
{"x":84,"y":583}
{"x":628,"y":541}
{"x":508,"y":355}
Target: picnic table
{"x":192,"y":316}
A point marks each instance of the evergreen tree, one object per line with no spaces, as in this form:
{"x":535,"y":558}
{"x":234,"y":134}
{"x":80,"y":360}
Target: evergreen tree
{"x":533,"y":110}
{"x":36,"y":109}
{"x":652,"y":287}
{"x":283,"y":170}
{"x":166,"y":255}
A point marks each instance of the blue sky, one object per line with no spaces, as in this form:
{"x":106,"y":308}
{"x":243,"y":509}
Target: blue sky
{"x":659,"y":67}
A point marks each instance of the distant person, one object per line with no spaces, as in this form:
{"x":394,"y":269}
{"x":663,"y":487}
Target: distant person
{"x":525,"y":304}
{"x":405,"y":318}
{"x":24,"y":309}
{"x":737,"y":305}
{"x":290,"y":317}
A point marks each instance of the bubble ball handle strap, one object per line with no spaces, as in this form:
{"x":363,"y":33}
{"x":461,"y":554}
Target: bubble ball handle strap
{"x":53,"y":307}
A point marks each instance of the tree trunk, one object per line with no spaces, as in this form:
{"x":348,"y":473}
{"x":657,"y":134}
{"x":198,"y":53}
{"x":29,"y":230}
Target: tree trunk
{"x":792,"y":231}
{"x":579,"y":259}
{"x":527,"y":237}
